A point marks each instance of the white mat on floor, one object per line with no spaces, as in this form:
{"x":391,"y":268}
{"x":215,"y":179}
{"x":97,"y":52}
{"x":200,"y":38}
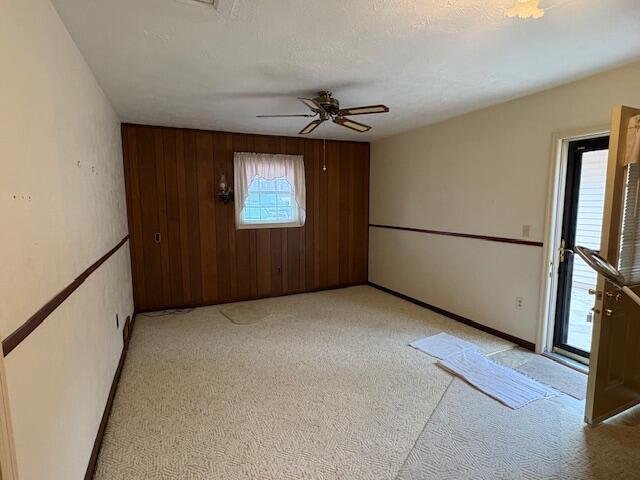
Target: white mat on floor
{"x":442,"y":345}
{"x":506,"y":385}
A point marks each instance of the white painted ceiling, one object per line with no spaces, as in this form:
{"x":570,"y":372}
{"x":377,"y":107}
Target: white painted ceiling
{"x":181,"y":63}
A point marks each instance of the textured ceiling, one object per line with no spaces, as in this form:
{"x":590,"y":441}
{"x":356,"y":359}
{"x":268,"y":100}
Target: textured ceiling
{"x":181,"y":63}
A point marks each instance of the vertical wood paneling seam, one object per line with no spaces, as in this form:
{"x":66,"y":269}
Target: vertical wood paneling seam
{"x":327,"y":245}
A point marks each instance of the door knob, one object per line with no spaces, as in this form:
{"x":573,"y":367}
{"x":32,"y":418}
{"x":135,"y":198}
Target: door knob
{"x":614,"y":296}
{"x":608,"y":312}
{"x":595,"y":292}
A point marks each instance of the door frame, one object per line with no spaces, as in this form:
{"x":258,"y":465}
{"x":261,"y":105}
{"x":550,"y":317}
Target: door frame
{"x":576,"y":150}
{"x":556,"y":187}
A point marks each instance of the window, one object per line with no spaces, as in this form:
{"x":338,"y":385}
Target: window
{"x":270,"y":190}
{"x":270,"y":201}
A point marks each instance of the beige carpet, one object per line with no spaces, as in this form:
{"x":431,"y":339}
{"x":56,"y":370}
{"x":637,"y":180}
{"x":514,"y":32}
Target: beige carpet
{"x":556,"y":375}
{"x":246,"y":313}
{"x":471,"y":436}
{"x":325,"y":388}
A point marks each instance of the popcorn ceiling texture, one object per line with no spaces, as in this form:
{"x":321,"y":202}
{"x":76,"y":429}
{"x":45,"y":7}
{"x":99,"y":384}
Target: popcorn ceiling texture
{"x":182,"y":63}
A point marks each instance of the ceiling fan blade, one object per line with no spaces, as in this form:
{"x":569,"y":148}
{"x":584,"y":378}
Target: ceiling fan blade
{"x":274,"y":116}
{"x":364,"y":110}
{"x":311,"y":104}
{"x":352,"y":124}
{"x":311,"y":127}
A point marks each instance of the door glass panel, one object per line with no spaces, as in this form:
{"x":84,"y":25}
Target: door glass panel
{"x":588,"y":234}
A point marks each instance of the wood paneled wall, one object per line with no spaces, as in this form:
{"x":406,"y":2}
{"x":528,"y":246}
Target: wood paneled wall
{"x":171,"y":179}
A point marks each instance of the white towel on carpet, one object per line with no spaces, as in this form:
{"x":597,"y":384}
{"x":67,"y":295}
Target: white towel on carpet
{"x":442,"y":345}
{"x":506,"y":385}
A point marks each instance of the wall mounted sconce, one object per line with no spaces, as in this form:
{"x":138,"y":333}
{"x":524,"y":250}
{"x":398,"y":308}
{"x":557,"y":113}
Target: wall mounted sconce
{"x":225,"y":194}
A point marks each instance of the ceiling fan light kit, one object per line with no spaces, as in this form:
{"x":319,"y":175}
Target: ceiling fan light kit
{"x":326,"y":107}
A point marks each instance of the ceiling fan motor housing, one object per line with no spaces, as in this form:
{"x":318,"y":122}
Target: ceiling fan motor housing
{"x":328,"y":103}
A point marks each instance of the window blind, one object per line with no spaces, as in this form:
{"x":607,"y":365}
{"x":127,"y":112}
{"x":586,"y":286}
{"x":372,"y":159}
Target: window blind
{"x":629,"y":261}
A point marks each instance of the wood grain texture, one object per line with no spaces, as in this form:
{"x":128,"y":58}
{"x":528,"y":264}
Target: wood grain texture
{"x":172,"y":176}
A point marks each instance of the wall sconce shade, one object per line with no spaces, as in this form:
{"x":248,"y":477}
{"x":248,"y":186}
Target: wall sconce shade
{"x":225,"y":194}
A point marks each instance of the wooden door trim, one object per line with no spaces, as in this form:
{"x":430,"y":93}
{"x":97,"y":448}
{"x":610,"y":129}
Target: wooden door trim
{"x":33,"y":322}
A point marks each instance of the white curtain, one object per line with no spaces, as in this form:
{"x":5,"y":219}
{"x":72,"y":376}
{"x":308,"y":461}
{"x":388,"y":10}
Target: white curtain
{"x":248,"y":166}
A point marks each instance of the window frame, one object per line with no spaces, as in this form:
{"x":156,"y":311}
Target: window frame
{"x":291,"y":168}
{"x":246,"y":225}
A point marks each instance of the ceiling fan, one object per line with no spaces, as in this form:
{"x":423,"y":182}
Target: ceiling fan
{"x":325,"y":107}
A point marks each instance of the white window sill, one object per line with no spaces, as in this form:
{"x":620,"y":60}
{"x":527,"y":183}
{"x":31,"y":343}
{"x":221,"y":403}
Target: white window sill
{"x":255,"y":226}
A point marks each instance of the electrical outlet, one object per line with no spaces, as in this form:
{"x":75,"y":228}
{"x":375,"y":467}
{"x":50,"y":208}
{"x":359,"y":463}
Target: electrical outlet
{"x":519,"y":303}
{"x":526,"y":231}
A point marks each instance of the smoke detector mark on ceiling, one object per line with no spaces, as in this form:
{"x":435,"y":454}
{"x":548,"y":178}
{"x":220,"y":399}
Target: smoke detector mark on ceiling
{"x":224,"y":8}
{"x":199,"y":3}
{"x":207,"y":2}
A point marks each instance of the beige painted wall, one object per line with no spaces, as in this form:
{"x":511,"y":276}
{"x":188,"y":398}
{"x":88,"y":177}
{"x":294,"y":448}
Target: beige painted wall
{"x":483,"y":173}
{"x":62,"y":208}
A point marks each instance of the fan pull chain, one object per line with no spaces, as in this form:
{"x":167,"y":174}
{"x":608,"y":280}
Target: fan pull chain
{"x":324,"y":155}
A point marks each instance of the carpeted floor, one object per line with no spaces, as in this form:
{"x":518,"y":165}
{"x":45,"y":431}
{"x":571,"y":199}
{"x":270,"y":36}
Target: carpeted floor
{"x":470,"y":436}
{"x":325,"y":387}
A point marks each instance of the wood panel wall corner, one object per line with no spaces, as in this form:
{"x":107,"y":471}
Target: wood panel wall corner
{"x":171,"y":176}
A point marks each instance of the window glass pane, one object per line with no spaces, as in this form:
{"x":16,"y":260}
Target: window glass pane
{"x":284,"y":213}
{"x":252,"y":213}
{"x":282,"y":185}
{"x":267,"y":199}
{"x":253,"y":200}
{"x":270,"y":201}
{"x":284,"y":200}
{"x":593,"y":178}
{"x":267,"y":213}
{"x":264,"y":185}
